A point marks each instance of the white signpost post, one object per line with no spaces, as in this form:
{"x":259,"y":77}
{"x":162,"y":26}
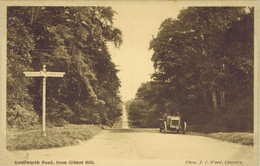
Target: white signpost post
{"x":44,"y":74}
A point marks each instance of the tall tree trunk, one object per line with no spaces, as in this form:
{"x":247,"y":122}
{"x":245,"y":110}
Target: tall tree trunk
{"x":222,"y":98}
{"x":214,"y":99}
{"x":205,"y":98}
{"x":32,"y":15}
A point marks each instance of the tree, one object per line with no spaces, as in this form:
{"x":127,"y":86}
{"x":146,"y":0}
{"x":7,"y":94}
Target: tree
{"x":186,"y":49}
{"x":19,"y":44}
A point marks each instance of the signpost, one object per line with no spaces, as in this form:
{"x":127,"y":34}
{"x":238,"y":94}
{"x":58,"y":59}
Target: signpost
{"x":44,"y":74}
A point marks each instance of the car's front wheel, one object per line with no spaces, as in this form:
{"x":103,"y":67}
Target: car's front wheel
{"x":184,"y":127}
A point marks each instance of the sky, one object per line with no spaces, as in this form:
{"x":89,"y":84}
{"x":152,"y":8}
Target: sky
{"x":138,"y":23}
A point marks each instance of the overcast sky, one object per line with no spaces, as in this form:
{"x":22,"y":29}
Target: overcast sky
{"x":138,"y":23}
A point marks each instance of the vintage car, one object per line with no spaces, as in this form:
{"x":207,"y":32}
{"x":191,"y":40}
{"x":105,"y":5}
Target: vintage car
{"x":172,"y":124}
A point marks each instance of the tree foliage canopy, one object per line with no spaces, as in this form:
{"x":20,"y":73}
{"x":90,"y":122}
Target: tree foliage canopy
{"x":69,"y":39}
{"x":203,"y":63}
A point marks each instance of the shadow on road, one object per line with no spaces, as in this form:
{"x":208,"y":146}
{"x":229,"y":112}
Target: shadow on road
{"x":138,"y":130}
{"x":134,"y":130}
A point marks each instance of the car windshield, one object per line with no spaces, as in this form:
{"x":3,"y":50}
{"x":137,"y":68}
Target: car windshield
{"x":175,"y":122}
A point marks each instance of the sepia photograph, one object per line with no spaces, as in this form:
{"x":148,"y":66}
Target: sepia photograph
{"x":129,"y":83}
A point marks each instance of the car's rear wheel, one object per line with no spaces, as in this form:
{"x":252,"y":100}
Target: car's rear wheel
{"x":165,"y":127}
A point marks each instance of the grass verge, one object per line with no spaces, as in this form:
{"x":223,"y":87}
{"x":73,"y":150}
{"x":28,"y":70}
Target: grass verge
{"x":56,"y":137}
{"x":236,"y":137}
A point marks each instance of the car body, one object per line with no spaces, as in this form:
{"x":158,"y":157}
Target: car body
{"x":171,"y":124}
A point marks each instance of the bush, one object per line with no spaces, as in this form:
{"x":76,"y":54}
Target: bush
{"x":235,"y":120}
{"x":21,"y":118}
{"x":58,"y":122}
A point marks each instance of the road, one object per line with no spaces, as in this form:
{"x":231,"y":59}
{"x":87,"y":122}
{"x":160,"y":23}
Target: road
{"x":126,"y":146}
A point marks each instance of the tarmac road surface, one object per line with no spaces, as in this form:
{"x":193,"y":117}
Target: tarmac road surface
{"x":126,"y":146}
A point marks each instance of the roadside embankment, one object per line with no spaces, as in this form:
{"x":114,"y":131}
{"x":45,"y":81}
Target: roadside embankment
{"x":56,"y":137}
{"x":236,"y":137}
